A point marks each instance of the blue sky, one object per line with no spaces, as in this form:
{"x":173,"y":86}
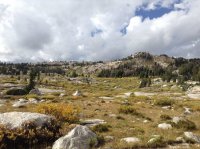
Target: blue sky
{"x":151,"y":14}
{"x":97,"y":30}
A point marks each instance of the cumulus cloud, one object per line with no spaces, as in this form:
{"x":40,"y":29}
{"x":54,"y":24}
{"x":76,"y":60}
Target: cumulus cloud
{"x":35,"y":30}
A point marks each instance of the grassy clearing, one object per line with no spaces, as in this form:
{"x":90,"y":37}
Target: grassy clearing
{"x":129,"y":120}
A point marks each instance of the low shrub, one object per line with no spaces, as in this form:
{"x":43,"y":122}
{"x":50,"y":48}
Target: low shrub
{"x":62,"y":111}
{"x":48,"y":97}
{"x":128,"y":110}
{"x":185,"y":125}
{"x":165,"y":117}
{"x":164,"y":102}
{"x":16,"y":91}
{"x":32,"y":96}
{"x":101,"y":128}
{"x":132,"y":111}
{"x":120,"y":117}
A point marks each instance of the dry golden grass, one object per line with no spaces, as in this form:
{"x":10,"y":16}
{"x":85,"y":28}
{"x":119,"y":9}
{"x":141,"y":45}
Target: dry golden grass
{"x":62,"y":111}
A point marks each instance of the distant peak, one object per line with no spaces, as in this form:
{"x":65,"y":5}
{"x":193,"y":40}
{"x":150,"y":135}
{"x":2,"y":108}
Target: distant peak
{"x":143,"y":55}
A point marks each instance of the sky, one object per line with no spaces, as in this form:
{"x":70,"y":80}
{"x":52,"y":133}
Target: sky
{"x":91,"y":30}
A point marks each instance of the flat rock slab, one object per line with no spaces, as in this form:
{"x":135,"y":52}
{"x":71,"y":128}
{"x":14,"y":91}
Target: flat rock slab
{"x":48,"y":90}
{"x":131,"y":140}
{"x":14,"y":120}
{"x":194,"y":96}
{"x":106,"y":98}
{"x":93,"y":122}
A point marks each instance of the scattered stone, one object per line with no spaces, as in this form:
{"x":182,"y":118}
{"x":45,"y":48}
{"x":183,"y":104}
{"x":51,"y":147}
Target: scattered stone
{"x":106,"y":98}
{"x":92,"y":122}
{"x":194,"y":92}
{"x":109,"y":138}
{"x":116,"y":87}
{"x":62,"y":95}
{"x":35,"y":91}
{"x":187,"y":110}
{"x":165,"y":126}
{"x":157,"y":80}
{"x":180,"y":139}
{"x":154,"y":139}
{"x":23,"y":100}
{"x":19,"y":104}
{"x":191,"y":136}
{"x":145,"y":121}
{"x":167,"y":107}
{"x":81,"y":137}
{"x":179,"y":146}
{"x":48,"y":90}
{"x":77,"y":93}
{"x":14,"y":120}
{"x":42,"y":100}
{"x":128,"y":94}
{"x":131,"y":140}
{"x":125,"y":95}
{"x":33,"y":100}
{"x":126,"y":102}
{"x":176,"y":119}
{"x":112,"y":115}
{"x":144,"y":94}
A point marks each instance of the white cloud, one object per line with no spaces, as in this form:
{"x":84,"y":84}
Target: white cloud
{"x":35,"y":30}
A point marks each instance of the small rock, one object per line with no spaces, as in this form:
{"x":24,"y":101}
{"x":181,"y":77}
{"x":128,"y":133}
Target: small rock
{"x":62,"y":95}
{"x":187,"y":110}
{"x":145,"y":121}
{"x":109,"y":138}
{"x":176,"y":120}
{"x":33,"y":100}
{"x":165,"y":126}
{"x":22,"y":100}
{"x":19,"y":104}
{"x":112,"y":115}
{"x":77,"y":93}
{"x":131,"y":140}
{"x":42,"y":101}
{"x":128,"y":94}
{"x":179,"y":146}
{"x":180,"y":139}
{"x":154,"y":139}
{"x":167,"y":107}
{"x":35,"y":91}
{"x":126,"y":102}
{"x":106,"y":98}
{"x":191,"y":136}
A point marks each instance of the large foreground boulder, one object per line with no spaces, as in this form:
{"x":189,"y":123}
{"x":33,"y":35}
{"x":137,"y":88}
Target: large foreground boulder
{"x":24,"y":129}
{"x":81,"y":137}
{"x":14,"y":120}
